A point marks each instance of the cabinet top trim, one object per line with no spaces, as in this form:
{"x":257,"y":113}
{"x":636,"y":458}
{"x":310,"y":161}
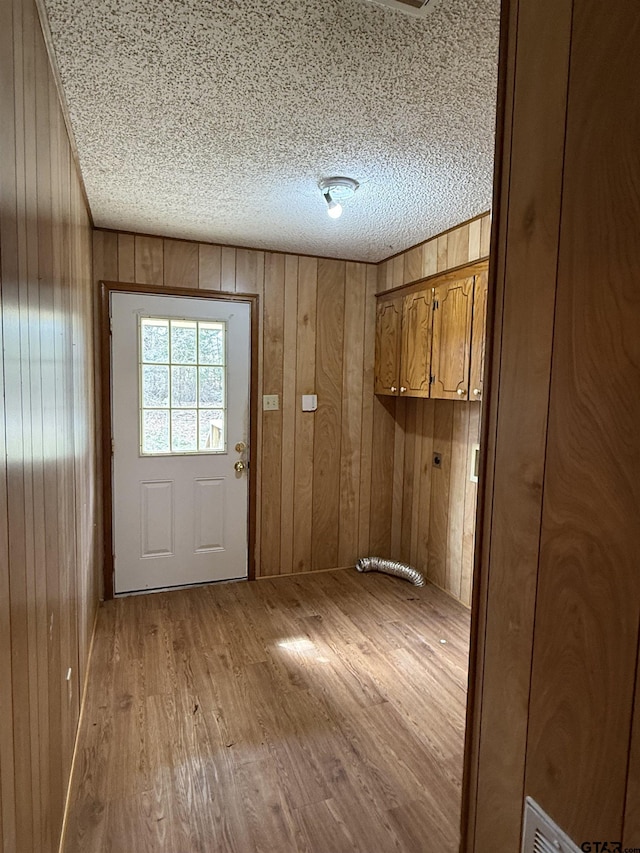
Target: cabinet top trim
{"x":437,"y":278}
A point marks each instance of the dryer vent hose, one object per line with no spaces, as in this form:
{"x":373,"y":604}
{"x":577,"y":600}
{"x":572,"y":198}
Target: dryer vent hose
{"x":391,"y":567}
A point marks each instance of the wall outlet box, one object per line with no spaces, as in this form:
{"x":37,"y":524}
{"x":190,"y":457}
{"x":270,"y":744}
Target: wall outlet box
{"x":270,"y":403}
{"x":309,"y":402}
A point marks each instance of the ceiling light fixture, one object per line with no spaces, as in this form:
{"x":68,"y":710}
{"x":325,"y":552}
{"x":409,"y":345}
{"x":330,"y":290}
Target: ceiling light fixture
{"x":335,"y":191}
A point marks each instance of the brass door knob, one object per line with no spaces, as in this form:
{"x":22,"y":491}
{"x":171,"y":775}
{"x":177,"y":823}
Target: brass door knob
{"x":241,"y":446}
{"x":239,"y":466}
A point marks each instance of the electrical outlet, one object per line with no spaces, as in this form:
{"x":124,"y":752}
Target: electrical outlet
{"x":270,"y":403}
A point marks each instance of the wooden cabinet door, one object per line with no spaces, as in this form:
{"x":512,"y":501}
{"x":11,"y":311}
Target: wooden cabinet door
{"x":478,"y":336}
{"x":415,"y":363}
{"x":388,"y":330}
{"x":452,"y":340}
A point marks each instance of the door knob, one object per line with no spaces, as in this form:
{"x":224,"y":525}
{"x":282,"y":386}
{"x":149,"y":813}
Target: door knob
{"x":461,"y":392}
{"x":477,"y":392}
{"x":393,"y":388}
{"x":239,"y":466}
{"x":241,"y":447}
{"x":402,"y":389}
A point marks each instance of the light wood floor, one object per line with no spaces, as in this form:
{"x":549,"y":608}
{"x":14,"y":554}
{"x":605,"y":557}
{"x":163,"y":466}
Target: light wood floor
{"x":317,"y":713}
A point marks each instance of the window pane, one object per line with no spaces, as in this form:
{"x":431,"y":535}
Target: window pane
{"x":184,"y":336}
{"x":183,"y":404}
{"x":184,"y":431}
{"x":155,"y":340}
{"x":211,"y":429}
{"x":155,"y":431}
{"x":155,"y":385}
{"x":212,"y":386}
{"x":211,"y":344}
{"x":183,"y":387}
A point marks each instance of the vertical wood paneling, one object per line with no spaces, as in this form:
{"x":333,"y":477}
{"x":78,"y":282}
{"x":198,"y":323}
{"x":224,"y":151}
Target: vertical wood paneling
{"x":271,"y":457}
{"x":522,"y":344}
{"x":290,"y":404}
{"x":458,"y":247}
{"x":424,"y":515}
{"x":352,"y":398}
{"x":305,"y":421}
{"x":397,"y":270}
{"x":588,"y":591}
{"x":180,"y":263}
{"x":48,"y":590}
{"x":430,"y":258}
{"x":475,"y":232}
{"x":228,"y":269}
{"x":412,"y":265}
{"x":366,"y":438}
{"x":126,"y":257}
{"x":327,"y":435}
{"x":247,"y":270}
{"x":413,"y":466}
{"x":409,"y":481}
{"x":398,"y":474}
{"x":455,"y":529}
{"x":470,"y":500}
{"x":382,"y":468}
{"x":440,"y":491}
{"x":149,"y":260}
{"x":559,"y":585}
{"x":253,"y":282}
{"x":442,"y":249}
{"x":209,"y":266}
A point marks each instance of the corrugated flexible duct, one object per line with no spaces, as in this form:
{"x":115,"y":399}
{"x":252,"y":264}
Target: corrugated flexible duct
{"x":391,"y":567}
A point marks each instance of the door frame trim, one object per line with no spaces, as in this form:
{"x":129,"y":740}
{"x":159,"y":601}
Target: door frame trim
{"x":104,"y":372}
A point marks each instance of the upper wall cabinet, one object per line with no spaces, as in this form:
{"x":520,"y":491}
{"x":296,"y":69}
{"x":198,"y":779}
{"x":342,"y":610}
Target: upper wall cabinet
{"x":451,"y":352}
{"x":430,"y":340}
{"x":388,"y":331}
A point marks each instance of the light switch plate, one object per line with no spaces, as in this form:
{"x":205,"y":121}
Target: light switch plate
{"x":309,"y":402}
{"x":270,"y":403}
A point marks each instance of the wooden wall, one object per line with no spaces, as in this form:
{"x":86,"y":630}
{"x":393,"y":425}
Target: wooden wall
{"x":554,"y":700}
{"x":431,"y":511}
{"x":48,"y":591}
{"x":316,"y":476}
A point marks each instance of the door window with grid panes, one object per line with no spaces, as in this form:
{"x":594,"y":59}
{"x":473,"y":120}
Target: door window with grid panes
{"x":182,"y":386}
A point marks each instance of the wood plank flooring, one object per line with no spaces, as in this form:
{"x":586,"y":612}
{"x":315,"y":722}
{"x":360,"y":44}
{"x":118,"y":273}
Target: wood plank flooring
{"x":315,"y":714}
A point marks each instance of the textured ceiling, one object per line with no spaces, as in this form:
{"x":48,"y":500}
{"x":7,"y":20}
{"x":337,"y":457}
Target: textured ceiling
{"x":215,"y":119}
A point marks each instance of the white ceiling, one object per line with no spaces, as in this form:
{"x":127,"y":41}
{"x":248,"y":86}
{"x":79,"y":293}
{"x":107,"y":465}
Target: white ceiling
{"x":215,"y":119}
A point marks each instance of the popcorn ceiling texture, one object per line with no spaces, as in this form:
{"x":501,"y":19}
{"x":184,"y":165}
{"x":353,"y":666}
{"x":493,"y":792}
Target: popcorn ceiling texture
{"x":214,"y":119}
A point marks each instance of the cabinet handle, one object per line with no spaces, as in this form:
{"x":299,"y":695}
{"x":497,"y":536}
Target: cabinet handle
{"x":402,"y":389}
{"x":477,"y":392}
{"x":393,"y":388}
{"x":461,"y":392}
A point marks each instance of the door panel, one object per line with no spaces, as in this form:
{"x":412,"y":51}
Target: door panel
{"x":388,"y":327}
{"x":452,"y":340}
{"x":180,"y":404}
{"x":416,"y":344}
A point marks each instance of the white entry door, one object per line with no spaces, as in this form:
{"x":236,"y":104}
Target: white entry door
{"x":180,"y":425}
